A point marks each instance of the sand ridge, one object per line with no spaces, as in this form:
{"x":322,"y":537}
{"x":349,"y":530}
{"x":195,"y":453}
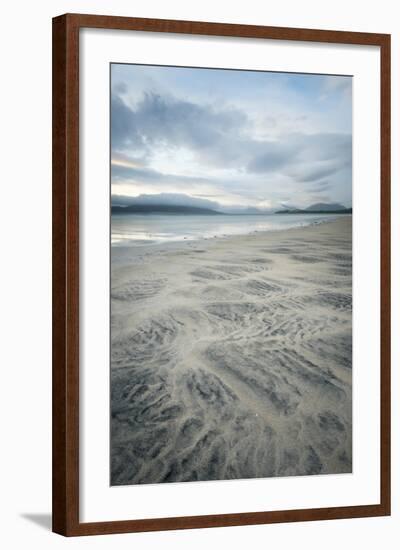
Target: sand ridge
{"x":231,"y":358}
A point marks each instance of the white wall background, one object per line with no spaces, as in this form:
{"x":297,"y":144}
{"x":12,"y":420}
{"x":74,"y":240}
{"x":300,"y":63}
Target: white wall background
{"x":25,"y":289}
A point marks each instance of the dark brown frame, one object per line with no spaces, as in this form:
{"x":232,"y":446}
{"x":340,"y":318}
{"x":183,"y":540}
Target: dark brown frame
{"x":66,"y":273}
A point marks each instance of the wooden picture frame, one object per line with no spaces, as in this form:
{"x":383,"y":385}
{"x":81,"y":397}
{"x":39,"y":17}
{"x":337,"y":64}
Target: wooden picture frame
{"x":66,"y":273}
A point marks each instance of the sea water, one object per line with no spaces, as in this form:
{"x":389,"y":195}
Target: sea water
{"x":144,"y":229}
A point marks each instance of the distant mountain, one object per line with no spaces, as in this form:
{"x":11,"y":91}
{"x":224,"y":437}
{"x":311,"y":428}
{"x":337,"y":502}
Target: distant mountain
{"x":179,"y":203}
{"x":325,"y":207}
{"x":245,"y":210}
{"x":288,"y":207}
{"x":162,"y":209}
{"x":171,"y":199}
{"x":319,"y":208}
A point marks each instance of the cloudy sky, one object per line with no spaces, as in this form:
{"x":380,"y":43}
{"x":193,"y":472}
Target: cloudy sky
{"x":235,"y":138}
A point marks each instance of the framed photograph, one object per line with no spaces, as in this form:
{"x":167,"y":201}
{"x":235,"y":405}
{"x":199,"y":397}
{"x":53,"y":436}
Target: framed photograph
{"x":221,"y":274}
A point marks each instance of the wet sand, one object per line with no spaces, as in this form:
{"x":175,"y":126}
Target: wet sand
{"x":231,"y":357}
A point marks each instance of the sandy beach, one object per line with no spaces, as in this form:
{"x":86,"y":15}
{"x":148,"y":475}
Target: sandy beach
{"x":231,"y":357}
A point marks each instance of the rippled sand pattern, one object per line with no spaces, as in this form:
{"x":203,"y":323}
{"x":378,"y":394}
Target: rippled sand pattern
{"x":231,"y":358}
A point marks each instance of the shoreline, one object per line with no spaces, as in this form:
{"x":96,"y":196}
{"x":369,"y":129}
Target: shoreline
{"x":142,"y":242}
{"x":132,"y":252}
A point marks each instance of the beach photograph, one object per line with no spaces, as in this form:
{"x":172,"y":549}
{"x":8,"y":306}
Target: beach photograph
{"x":230,"y":274}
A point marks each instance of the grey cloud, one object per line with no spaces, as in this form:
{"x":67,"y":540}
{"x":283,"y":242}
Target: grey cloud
{"x":324,"y":147}
{"x":317,"y":197}
{"x":222,"y":137}
{"x":151,"y":176}
{"x":303,"y":157}
{"x":171,"y":122}
{"x":320,"y":186}
{"x":310,"y":173}
{"x":124,"y":131}
{"x":120,"y":88}
{"x":274,"y":156}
